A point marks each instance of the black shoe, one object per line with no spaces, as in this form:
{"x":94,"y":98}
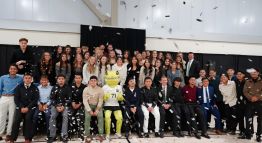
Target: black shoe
{"x":197,"y":136}
{"x":232,"y":132}
{"x":146,"y":135}
{"x":227,"y":130}
{"x":176,"y":134}
{"x":1,"y":138}
{"x":181,"y":134}
{"x":242,"y":136}
{"x":50,"y":140}
{"x":161,"y":135}
{"x":258,"y":139}
{"x":140,"y":135}
{"x":205,"y":136}
{"x":189,"y":134}
{"x":157,"y":134}
{"x":241,"y":133}
{"x":64,"y":140}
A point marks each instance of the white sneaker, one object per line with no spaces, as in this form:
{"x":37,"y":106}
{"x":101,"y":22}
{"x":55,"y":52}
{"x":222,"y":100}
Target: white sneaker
{"x":118,"y":135}
{"x":107,"y":137}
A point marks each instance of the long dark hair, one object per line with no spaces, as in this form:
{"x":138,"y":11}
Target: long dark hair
{"x":63,"y":63}
{"x":46,"y":68}
{"x":100,"y":64}
{"x":137,"y":62}
{"x":150,"y":69}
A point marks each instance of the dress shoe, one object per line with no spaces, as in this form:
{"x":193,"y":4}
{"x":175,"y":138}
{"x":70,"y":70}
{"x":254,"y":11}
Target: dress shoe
{"x":146,"y":135}
{"x":197,"y":136}
{"x":205,"y":135}
{"x":258,"y":139}
{"x":218,"y":132}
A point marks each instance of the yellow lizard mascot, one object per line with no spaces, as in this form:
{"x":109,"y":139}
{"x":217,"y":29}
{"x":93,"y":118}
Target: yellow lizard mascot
{"x":113,"y":94}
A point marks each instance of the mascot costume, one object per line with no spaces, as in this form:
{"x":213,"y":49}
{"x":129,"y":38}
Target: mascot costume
{"x":113,"y":95}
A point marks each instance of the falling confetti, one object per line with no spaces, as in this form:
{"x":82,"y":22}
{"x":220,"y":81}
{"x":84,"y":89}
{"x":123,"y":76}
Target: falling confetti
{"x":170,"y":30}
{"x":175,"y":44}
{"x":167,"y":15}
{"x":184,"y":2}
{"x":153,"y":5}
{"x":123,"y":3}
{"x":100,"y":5}
{"x":199,"y":20}
{"x":215,"y":7}
{"x":250,"y":60}
{"x":90,"y":27}
{"x":135,"y":6}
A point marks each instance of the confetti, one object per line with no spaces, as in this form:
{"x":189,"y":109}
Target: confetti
{"x":199,"y":20}
{"x":215,"y":7}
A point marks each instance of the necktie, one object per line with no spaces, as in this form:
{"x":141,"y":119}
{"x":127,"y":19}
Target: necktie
{"x":164,"y":92}
{"x":188,"y":68}
{"x":207,"y":97}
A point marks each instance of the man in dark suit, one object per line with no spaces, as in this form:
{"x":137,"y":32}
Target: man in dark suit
{"x":164,"y":96}
{"x":192,"y":66}
{"x":26,"y":97}
{"x":206,"y":98}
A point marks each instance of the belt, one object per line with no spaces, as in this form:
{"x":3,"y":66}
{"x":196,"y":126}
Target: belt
{"x":8,"y":95}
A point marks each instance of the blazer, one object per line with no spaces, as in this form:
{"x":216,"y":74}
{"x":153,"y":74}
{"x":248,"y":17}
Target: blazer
{"x":194,"y":68}
{"x":200,"y":95}
{"x":160,"y":94}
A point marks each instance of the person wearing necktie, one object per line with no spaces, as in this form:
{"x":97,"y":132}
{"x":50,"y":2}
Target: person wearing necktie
{"x":206,"y":98}
{"x":164,"y":96}
{"x":192,"y":67}
{"x":26,"y":97}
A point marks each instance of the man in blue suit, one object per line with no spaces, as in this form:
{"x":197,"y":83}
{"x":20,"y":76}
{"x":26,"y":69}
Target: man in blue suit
{"x":206,"y":98}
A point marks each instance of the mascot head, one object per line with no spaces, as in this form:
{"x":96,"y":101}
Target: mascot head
{"x":112,"y":78}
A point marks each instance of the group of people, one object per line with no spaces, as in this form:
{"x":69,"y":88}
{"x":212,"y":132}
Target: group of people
{"x":72,"y":87}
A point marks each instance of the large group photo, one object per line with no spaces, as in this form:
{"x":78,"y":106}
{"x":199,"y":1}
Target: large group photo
{"x":121,"y":83}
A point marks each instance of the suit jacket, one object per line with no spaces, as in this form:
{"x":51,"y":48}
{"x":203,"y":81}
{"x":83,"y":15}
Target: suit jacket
{"x":161,"y":95}
{"x":200,"y":95}
{"x":194,"y":68}
{"x":26,"y":97}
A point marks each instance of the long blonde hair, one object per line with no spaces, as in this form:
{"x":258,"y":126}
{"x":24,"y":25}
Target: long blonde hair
{"x":91,"y":68}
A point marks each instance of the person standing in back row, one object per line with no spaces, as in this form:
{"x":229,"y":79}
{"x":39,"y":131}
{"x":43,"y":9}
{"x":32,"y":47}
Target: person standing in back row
{"x":192,"y":66}
{"x":23,"y":57}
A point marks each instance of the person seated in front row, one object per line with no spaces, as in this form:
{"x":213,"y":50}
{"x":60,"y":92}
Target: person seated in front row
{"x":149,"y":105}
{"x":43,"y":103}
{"x":164,"y":102}
{"x":93,"y":102}
{"x":179,"y":108}
{"x":133,"y":107}
{"x":26,"y":97}
{"x":60,"y":101}
{"x":113,"y":94}
{"x":189,"y":92}
{"x":77,"y":116}
{"x":206,"y":98}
